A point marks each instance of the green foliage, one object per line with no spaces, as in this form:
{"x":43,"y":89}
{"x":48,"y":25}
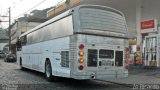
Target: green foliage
{"x":35,"y":15}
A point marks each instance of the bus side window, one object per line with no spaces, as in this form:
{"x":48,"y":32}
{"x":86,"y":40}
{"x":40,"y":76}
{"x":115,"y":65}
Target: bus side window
{"x":19,"y":46}
{"x":23,"y":40}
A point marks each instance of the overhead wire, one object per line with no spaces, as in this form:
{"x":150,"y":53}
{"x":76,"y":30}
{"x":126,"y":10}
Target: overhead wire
{"x":22,"y":13}
{"x":30,"y":9}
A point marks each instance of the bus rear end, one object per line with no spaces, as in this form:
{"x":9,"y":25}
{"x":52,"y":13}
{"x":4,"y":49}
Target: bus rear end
{"x":99,"y":57}
{"x":99,"y":44}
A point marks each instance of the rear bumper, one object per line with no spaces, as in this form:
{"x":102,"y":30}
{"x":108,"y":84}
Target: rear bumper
{"x":99,"y":75}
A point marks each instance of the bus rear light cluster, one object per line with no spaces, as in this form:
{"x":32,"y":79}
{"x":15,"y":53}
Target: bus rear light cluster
{"x":81,"y":60}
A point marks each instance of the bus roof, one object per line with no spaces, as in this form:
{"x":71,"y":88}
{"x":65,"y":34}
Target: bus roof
{"x":68,"y":12}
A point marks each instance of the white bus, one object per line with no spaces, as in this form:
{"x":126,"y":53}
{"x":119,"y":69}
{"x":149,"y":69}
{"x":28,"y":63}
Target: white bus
{"x":85,"y":42}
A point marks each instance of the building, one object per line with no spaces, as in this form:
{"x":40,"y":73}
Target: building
{"x":17,"y":29}
{"x":4,"y":38}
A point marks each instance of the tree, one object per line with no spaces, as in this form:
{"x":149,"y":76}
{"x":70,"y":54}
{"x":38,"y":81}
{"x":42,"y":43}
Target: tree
{"x":39,"y":15}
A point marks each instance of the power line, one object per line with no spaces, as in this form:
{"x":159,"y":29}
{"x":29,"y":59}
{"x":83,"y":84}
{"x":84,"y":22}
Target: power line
{"x":29,"y":9}
{"x":14,"y":3}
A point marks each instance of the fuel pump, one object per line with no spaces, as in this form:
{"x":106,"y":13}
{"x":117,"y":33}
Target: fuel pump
{"x":151,"y":50}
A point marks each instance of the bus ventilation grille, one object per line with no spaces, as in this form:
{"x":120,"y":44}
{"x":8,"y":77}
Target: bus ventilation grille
{"x":65,"y":59}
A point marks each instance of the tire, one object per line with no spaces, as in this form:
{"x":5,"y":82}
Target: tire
{"x":48,"y":72}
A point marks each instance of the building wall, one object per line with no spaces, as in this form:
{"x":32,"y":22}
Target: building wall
{"x":3,"y":38}
{"x":21,"y":27}
{"x":3,"y":34}
{"x":17,"y":29}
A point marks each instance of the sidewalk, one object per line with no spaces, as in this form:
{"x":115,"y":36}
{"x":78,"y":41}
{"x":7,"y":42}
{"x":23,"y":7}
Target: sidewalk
{"x":140,"y":76}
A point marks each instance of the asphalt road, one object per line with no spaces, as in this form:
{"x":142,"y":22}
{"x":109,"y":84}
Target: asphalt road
{"x":13,"y":78}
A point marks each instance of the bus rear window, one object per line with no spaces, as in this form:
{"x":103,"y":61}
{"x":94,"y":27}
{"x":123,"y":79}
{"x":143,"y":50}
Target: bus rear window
{"x":102,"y":20}
{"x":92,"y":57}
{"x":106,"y":53}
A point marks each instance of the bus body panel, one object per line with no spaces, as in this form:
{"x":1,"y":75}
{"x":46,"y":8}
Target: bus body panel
{"x":53,"y":50}
{"x":34,"y":56}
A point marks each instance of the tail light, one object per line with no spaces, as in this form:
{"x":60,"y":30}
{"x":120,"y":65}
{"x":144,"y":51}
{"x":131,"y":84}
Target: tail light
{"x":81,"y":53}
{"x":81,"y":67}
{"x":81,"y":46}
{"x":81,"y":60}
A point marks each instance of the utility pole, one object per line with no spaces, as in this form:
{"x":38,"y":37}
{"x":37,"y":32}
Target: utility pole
{"x":9,"y":27}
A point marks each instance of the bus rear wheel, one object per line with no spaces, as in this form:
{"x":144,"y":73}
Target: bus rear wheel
{"x":48,"y":72}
